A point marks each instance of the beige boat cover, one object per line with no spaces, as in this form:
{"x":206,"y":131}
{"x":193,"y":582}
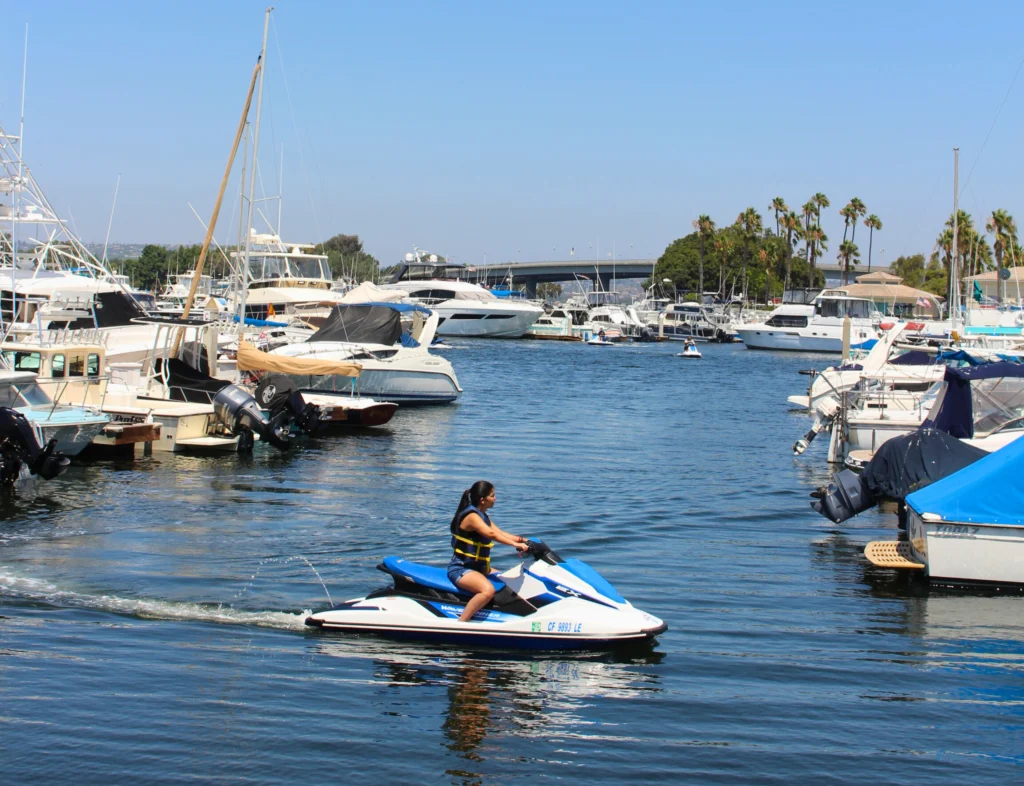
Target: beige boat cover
{"x":252,"y":359}
{"x":369,"y":293}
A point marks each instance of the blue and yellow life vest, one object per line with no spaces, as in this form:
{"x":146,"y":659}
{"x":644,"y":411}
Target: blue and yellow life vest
{"x":472,"y":548}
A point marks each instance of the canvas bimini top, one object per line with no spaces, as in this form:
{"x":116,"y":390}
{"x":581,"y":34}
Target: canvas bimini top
{"x":989,"y":491}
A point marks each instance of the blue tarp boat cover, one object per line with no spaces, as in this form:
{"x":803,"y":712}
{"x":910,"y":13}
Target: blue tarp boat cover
{"x":989,"y":491}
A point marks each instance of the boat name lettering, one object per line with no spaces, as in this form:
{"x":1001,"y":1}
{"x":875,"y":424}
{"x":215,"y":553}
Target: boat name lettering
{"x":956,"y":529}
{"x":565,"y":627}
{"x":128,"y":418}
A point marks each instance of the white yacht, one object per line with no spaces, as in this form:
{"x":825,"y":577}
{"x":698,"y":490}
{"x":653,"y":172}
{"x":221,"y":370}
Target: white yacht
{"x":814,"y":328}
{"x":396,"y":365}
{"x":567,"y":322}
{"x":463,"y":308}
{"x":285,"y":279}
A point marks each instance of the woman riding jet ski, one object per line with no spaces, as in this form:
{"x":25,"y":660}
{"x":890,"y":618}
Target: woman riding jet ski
{"x":545,"y":603}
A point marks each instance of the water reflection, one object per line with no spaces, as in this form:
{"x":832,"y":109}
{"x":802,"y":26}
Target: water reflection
{"x":493,"y":696}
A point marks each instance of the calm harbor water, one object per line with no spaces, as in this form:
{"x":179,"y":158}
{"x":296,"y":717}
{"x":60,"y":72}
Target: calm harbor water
{"x":151,"y":613}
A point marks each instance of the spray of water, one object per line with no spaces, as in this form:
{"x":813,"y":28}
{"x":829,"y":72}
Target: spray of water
{"x":280,"y":561}
{"x":45,"y":592}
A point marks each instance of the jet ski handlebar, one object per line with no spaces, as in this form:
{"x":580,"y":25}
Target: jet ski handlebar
{"x":540,"y":550}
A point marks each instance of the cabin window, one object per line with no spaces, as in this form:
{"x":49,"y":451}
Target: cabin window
{"x":76,"y":367}
{"x":787,"y":320}
{"x":92,"y":366}
{"x":23,"y":361}
{"x":57,"y":366}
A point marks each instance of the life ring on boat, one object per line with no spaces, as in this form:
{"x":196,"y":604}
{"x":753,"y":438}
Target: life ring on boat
{"x":886,"y":326}
{"x":915,"y":326}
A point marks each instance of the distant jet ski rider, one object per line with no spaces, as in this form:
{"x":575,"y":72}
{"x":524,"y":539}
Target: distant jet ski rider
{"x":473,"y":535}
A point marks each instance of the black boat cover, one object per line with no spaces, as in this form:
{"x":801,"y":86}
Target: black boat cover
{"x":113,"y":309}
{"x":361,"y":324}
{"x":189,"y":384}
{"x":908,"y":463}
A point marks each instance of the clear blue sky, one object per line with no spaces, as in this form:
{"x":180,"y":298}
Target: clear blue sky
{"x":523,"y":130}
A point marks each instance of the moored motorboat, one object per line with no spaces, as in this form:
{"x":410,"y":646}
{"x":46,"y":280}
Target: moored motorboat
{"x":395,"y":364}
{"x":543,"y":603}
{"x":966,"y":529}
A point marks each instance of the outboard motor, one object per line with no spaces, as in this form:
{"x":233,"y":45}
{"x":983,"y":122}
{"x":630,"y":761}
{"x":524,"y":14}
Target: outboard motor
{"x":277,"y":393}
{"x":845,"y":497}
{"x":18,"y":446}
{"x":238,"y":411}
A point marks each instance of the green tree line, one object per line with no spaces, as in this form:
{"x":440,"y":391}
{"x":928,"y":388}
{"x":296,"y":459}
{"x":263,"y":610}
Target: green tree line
{"x":156,"y":264}
{"x":748,"y":259}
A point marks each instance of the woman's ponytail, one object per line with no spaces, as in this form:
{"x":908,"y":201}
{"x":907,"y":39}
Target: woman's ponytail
{"x":471,"y":496}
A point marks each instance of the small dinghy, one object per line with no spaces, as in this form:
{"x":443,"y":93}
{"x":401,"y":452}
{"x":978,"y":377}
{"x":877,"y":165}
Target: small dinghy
{"x":689,"y":351}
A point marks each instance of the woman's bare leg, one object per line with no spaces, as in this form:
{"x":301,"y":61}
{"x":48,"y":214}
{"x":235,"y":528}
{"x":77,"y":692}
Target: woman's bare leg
{"x":481,"y":585}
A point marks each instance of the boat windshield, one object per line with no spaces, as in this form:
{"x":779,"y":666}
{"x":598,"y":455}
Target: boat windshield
{"x":995,"y":402}
{"x":310,"y":267}
{"x":23,"y":394}
{"x":22,"y":360}
{"x":263,"y":268}
{"x":844,"y":307}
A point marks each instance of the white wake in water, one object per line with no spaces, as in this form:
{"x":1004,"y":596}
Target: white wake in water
{"x":38,"y":590}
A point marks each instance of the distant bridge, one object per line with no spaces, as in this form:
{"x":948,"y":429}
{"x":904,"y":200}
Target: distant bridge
{"x":532,"y":273}
{"x":605,"y":272}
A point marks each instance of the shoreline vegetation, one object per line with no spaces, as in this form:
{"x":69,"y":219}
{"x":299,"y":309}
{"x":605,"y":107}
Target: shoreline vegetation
{"x":747,"y":259}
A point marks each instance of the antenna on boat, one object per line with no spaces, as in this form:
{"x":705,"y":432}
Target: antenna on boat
{"x":106,"y":240}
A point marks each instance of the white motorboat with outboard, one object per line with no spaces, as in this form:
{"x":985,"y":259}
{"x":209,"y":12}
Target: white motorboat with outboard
{"x":543,"y":603}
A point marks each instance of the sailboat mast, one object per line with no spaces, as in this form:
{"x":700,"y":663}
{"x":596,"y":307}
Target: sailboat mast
{"x":954,"y":290}
{"x":252,"y":175}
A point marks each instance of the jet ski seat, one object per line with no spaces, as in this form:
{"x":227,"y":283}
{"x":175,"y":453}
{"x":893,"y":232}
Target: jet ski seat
{"x":428,"y":575}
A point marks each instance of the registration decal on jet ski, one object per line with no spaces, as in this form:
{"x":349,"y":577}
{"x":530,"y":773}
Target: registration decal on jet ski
{"x":565,"y":627}
{"x":481,"y":616}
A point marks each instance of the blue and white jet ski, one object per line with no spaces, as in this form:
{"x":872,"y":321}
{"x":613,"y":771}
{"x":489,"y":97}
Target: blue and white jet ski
{"x":543,"y":603}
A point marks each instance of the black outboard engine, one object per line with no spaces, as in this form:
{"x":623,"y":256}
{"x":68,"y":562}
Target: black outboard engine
{"x":238,"y":411}
{"x":18,"y":446}
{"x":276,"y":392}
{"x":845,"y":497}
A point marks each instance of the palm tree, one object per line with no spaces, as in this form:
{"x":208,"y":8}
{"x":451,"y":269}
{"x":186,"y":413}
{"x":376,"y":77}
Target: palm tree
{"x":817,"y":242}
{"x":779,"y":206}
{"x":749,"y":222}
{"x":848,"y":255}
{"x":858,"y":210}
{"x":791,"y":223}
{"x":808,"y":210}
{"x":820,"y":201}
{"x":705,"y":228}
{"x":848,"y":214}
{"x":1004,"y":231}
{"x":872,"y":222}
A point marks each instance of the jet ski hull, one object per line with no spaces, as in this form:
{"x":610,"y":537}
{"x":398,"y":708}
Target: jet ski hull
{"x":406,"y":618}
